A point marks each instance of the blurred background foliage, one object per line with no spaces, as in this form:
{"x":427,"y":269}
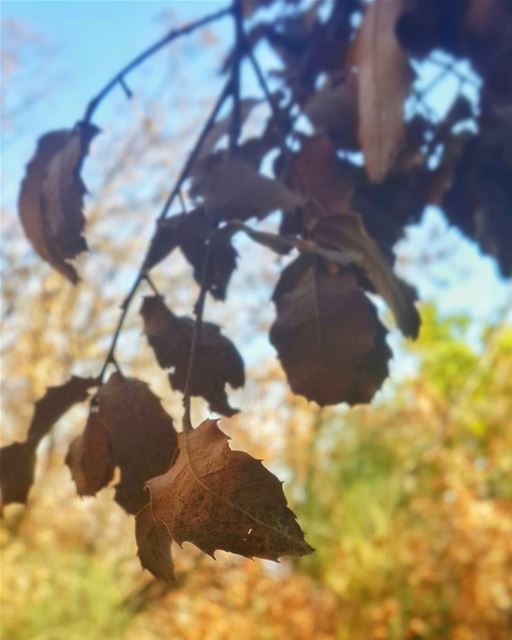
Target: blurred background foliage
{"x":408,"y":502}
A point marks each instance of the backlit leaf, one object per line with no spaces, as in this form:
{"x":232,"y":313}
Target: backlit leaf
{"x":217,"y":362}
{"x":328,"y":336}
{"x":217,"y":498}
{"x":51,"y":197}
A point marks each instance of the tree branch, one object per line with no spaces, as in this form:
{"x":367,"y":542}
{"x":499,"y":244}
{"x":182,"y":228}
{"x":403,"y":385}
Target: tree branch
{"x":141,"y":275}
{"x":119,"y":77}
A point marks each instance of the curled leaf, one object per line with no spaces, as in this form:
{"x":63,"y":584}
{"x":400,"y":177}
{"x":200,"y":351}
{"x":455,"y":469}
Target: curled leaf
{"x":51,"y":197}
{"x":232,"y":188}
{"x":347,"y":233}
{"x":154,"y":545}
{"x":191,"y":232}
{"x":18,"y":459}
{"x":127,"y":428}
{"x":89,"y":458}
{"x":217,"y":498}
{"x":328,"y":336}
{"x":217,"y":361}
{"x":17,"y":462}
{"x":384,"y":81}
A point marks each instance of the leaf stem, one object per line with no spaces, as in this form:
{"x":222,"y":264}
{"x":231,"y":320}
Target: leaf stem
{"x":119,"y":78}
{"x":196,"y":335}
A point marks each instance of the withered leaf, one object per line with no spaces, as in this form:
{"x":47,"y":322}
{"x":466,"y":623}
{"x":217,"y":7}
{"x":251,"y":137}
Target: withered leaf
{"x":232,"y":188}
{"x":154,"y":545}
{"x":325,"y":181}
{"x":17,"y":462}
{"x":347,"y":233}
{"x":282,"y":244}
{"x":217,"y":498}
{"x":217,"y":361}
{"x":89,"y":458}
{"x":328,"y":336}
{"x":127,"y":428}
{"x":383,"y":79}
{"x":54,"y":404}
{"x":51,"y":197}
{"x":191,"y":232}
{"x":333,"y":110}
{"x":18,"y":459}
{"x":222,"y":127}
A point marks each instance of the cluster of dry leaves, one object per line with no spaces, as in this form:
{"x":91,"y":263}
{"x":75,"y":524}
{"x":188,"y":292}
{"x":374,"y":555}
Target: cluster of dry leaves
{"x":340,"y":216}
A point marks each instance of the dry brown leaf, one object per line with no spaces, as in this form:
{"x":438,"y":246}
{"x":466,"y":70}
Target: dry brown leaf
{"x":154,"y":545}
{"x":191,"y":232}
{"x":217,"y":498}
{"x":347,"y":233}
{"x":333,"y":110}
{"x":328,"y":336}
{"x":232,"y":188}
{"x":51,"y":197}
{"x":17,"y":463}
{"x":89,"y":458}
{"x":384,"y":80}
{"x":54,"y":404}
{"x":325,"y":181}
{"x":18,"y":459}
{"x":217,"y":361}
{"x":141,"y":441}
{"x":222,"y":127}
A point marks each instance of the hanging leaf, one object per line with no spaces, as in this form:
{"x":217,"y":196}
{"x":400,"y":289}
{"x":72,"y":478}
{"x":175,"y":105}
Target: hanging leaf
{"x":191,"y":232}
{"x":51,"y":197}
{"x":127,"y":428}
{"x":333,"y":110}
{"x":327,"y":335}
{"x":217,"y":498}
{"x":222,"y":127}
{"x":325,"y":181}
{"x":384,"y":82}
{"x":232,"y":188}
{"x":17,"y":463}
{"x":217,"y":361}
{"x":282,"y":244}
{"x":18,"y":459}
{"x":154,"y":545}
{"x":347,"y":233}
{"x":89,"y":458}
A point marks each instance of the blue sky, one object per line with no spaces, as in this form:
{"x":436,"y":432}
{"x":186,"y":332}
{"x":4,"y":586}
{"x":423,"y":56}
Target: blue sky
{"x":89,"y":41}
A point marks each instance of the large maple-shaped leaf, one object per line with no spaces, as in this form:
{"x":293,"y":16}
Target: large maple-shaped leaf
{"x":383,"y":85}
{"x":51,"y":197}
{"x":17,"y":461}
{"x":347,"y":233}
{"x":191,"y":232}
{"x":127,"y":428}
{"x":328,"y":336}
{"x":217,"y":360}
{"x":217,"y":498}
{"x":232,"y":189}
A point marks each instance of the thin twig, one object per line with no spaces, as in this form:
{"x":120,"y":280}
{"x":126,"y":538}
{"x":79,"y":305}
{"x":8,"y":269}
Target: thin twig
{"x":234,"y":132}
{"x":197,"y":148}
{"x":141,"y":275}
{"x":196,"y":336}
{"x":172,"y":35}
